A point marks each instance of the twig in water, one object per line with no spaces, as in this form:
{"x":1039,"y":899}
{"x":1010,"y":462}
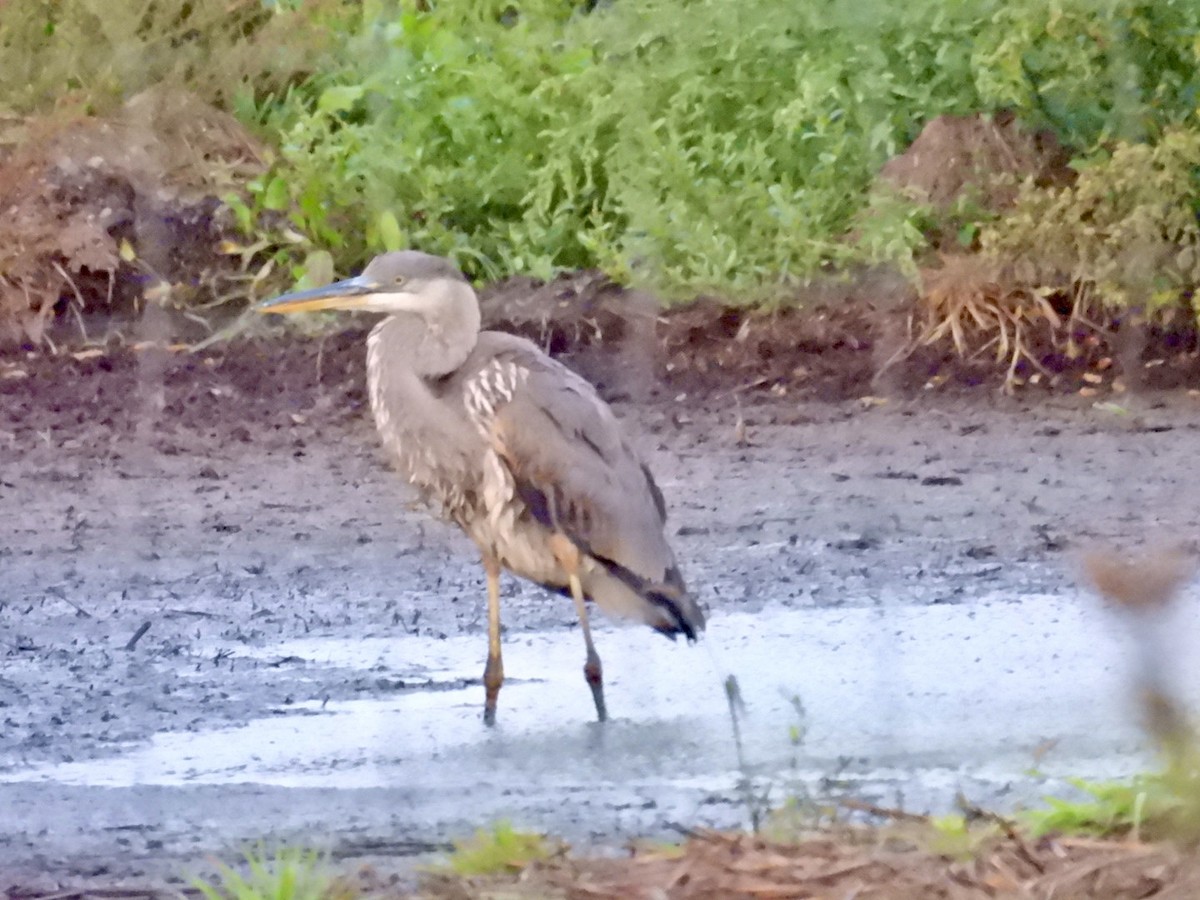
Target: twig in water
{"x":883,"y":812}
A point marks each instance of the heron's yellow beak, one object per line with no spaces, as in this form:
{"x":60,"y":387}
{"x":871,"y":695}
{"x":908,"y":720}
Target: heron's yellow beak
{"x":351,"y":293}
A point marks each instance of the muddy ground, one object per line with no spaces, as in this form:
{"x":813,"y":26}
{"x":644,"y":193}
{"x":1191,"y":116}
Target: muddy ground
{"x":168,"y":519}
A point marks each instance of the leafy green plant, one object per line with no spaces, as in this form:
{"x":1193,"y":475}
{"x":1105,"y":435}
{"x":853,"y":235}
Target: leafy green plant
{"x":287,"y":874}
{"x":1111,"y":809}
{"x":1153,"y":806}
{"x":700,"y":148}
{"x":1124,"y":236}
{"x":956,"y":837}
{"x":1092,"y":72}
{"x":710,"y":152}
{"x":90,"y":56}
{"x":500,"y":849}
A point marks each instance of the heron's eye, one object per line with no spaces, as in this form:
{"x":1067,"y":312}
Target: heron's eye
{"x":398,"y":280}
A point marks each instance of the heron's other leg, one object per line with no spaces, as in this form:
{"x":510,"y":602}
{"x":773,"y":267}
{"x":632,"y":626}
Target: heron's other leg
{"x":493,"y":672}
{"x":591,"y":668}
{"x":568,"y":557}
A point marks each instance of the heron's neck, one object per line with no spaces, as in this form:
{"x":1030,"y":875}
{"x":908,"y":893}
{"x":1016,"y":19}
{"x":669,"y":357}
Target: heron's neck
{"x":406,"y":353}
{"x":429,"y":344}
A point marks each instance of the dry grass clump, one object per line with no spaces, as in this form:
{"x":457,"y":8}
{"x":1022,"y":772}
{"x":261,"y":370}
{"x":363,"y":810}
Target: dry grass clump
{"x":1034,"y":253}
{"x":1141,"y":585}
{"x":1142,"y":590}
{"x":1125,"y":233}
{"x":112,"y":116}
{"x":976,"y":159}
{"x":88,"y":200}
{"x":43,"y":240}
{"x":971,"y":301}
{"x":974,"y":304}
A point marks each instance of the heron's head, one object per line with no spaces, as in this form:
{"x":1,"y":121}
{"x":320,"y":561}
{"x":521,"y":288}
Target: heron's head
{"x":402,"y":281}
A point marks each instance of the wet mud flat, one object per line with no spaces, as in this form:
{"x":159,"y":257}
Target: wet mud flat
{"x":222,"y":618}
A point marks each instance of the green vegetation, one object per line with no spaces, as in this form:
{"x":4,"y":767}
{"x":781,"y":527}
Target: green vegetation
{"x":956,"y":837}
{"x":728,"y":148}
{"x":1110,"y":809}
{"x":89,"y":56}
{"x":499,"y":849}
{"x":1125,"y":235}
{"x":1150,"y":808}
{"x":1155,"y":806}
{"x":288,"y":874}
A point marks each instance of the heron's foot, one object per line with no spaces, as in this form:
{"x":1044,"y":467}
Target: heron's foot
{"x":595,"y":679}
{"x":493,"y":677}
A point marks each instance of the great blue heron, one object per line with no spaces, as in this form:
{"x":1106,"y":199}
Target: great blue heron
{"x":516,"y":449}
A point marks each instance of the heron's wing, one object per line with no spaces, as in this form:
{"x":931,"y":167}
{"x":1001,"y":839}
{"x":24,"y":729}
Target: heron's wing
{"x":569,"y":461}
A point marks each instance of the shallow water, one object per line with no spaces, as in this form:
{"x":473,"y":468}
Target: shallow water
{"x":917,"y":695}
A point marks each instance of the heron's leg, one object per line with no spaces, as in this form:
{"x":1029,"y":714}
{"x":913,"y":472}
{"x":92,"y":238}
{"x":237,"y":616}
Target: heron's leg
{"x":493,"y":672}
{"x":591,"y":668}
{"x":568,"y":557}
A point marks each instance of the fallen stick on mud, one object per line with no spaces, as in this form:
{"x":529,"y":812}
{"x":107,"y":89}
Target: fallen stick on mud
{"x":137,"y":635}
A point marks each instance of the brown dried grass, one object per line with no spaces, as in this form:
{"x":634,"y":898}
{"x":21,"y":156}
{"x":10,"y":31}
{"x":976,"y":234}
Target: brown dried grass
{"x":977,"y":306}
{"x":74,"y":189}
{"x":42,"y":241}
{"x":865,"y":865}
{"x":890,"y":863}
{"x":980,"y":156}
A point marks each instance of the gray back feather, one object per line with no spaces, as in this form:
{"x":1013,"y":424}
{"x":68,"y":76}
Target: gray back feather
{"x":563,"y":444}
